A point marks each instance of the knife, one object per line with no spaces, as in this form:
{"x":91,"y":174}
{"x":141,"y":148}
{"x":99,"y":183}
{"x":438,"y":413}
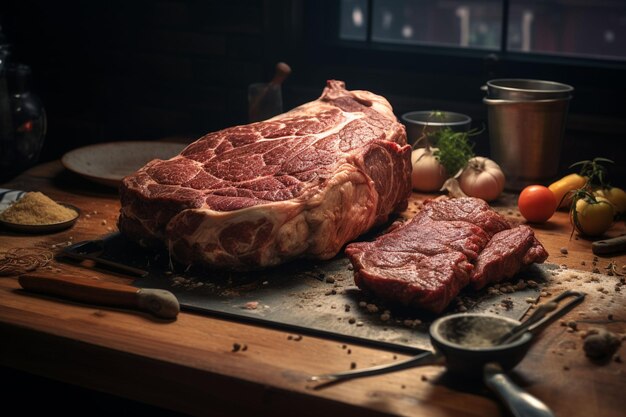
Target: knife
{"x":616,"y":244}
{"x":90,"y":250}
{"x":161,"y":303}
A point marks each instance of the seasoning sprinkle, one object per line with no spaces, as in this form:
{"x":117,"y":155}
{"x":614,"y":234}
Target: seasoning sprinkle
{"x":21,"y":260}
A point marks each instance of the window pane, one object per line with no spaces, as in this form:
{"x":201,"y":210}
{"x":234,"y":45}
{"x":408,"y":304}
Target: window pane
{"x":588,"y":28}
{"x":353,"y":20}
{"x":463,"y":23}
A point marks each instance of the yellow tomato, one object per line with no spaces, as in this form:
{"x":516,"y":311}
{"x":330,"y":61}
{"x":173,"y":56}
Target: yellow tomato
{"x":616,"y":196}
{"x":592,"y":218}
{"x":566,"y":184}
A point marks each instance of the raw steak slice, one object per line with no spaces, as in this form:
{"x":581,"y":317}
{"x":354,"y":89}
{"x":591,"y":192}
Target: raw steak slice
{"x":427,"y":261}
{"x":468,"y":209}
{"x":301,"y":184}
{"x":506,"y":254}
{"x":423,"y":263}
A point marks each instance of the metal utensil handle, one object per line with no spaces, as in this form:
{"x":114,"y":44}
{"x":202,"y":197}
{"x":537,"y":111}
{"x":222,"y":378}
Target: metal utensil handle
{"x":540,"y":318}
{"x":616,"y":244}
{"x":517,"y":331}
{"x":518,"y":401}
{"x":424,"y":359}
{"x":560,"y":312}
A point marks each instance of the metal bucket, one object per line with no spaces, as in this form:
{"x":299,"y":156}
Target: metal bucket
{"x":524,"y":89}
{"x":526,"y":138}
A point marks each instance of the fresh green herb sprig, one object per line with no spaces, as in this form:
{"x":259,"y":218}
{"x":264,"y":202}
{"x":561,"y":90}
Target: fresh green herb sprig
{"x":594,"y":170}
{"x":454,"y":149}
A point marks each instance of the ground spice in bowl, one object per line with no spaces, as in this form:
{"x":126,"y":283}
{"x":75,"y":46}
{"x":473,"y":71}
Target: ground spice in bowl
{"x":35,"y":208}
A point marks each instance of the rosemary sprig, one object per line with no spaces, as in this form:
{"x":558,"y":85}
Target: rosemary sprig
{"x":596,"y":173}
{"x":454,"y":149}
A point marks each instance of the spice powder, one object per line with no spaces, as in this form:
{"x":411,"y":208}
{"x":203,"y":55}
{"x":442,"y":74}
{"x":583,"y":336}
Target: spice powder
{"x":35,"y":208}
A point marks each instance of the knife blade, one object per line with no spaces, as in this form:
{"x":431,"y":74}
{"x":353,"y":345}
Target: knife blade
{"x":90,"y":250}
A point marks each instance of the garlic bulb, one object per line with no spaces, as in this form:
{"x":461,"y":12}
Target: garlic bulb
{"x":428,"y":174}
{"x":452,"y":187}
{"x":482,"y":178}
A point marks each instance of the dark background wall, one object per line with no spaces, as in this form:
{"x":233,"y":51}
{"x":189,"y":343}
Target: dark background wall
{"x":149,"y":69}
{"x":120,"y":70}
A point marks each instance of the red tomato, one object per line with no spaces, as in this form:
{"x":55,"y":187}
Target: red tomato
{"x":537,"y":203}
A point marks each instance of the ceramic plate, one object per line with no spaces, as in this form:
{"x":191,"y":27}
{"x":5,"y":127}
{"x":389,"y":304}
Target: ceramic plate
{"x":108,"y":163}
{"x":43,"y":228}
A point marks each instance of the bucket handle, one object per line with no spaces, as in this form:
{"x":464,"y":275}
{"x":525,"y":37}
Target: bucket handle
{"x":500,"y":101}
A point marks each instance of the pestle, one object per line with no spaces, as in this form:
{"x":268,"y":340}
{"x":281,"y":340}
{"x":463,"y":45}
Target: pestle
{"x":282,"y":72}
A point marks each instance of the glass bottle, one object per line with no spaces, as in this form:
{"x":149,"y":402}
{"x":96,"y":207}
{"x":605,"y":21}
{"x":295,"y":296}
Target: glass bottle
{"x":6,"y":128}
{"x":24,"y":131}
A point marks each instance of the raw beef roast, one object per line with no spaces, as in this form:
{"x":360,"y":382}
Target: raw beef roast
{"x":449,"y":244}
{"x":303,"y":183}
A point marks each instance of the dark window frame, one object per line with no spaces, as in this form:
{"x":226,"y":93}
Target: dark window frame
{"x":589,"y":76}
{"x":503,"y":52}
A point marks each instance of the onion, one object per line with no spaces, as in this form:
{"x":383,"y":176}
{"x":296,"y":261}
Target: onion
{"x":482,"y":178}
{"x":428,"y":173}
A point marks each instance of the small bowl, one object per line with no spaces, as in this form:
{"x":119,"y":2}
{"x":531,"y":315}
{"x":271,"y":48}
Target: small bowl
{"x":465,"y":341}
{"x":426,"y":122}
{"x":43,"y":228}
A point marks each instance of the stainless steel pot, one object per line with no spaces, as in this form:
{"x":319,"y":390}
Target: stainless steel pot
{"x":526,"y":121}
{"x":526,"y":138}
{"x":524,"y":89}
{"x":426,"y":122}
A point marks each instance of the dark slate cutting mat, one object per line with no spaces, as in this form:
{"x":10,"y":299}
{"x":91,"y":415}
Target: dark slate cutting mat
{"x":308,"y":297}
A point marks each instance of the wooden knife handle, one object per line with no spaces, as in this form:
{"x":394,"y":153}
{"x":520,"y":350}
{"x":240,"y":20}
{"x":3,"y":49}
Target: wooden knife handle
{"x":616,"y":244}
{"x":161,"y":303}
{"x":82,"y":289}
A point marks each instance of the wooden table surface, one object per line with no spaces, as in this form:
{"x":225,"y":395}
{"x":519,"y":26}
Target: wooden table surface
{"x":189,"y":365}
